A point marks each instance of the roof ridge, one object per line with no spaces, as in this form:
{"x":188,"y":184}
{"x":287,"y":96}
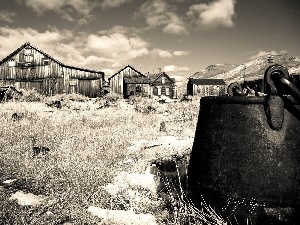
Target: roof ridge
{"x":49,"y":56}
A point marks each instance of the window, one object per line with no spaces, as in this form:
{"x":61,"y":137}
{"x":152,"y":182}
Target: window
{"x":167,"y":91}
{"x":45,"y":61}
{"x":158,"y":90}
{"x":12,"y":63}
{"x":27,"y":51}
{"x":138,"y":89}
{"x":163,"y":80}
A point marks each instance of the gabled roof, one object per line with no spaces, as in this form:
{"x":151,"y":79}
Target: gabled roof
{"x":27,"y":44}
{"x":198,"y":81}
{"x":137,"y":80}
{"x":128,"y":66}
{"x":155,"y":76}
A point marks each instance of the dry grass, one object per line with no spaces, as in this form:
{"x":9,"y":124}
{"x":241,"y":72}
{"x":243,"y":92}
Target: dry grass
{"x":85,"y":148}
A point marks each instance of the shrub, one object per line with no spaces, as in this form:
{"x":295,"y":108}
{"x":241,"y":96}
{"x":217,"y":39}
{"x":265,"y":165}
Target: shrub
{"x":144,"y":105}
{"x":112,"y":97}
{"x":31,"y":96}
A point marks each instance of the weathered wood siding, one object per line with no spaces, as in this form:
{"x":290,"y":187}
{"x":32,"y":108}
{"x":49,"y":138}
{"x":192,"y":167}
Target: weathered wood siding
{"x":117,"y":81}
{"x":129,"y":81}
{"x":29,"y":68}
{"x":142,"y":90}
{"x":163,"y":86}
{"x":208,"y":90}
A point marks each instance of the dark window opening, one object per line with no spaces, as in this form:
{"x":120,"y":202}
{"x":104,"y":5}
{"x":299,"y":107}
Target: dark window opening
{"x":138,"y":89}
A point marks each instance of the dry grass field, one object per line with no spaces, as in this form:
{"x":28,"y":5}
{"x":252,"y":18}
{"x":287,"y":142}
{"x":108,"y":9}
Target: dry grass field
{"x":88,"y":143}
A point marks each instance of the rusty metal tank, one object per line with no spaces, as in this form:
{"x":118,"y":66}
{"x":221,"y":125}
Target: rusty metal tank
{"x":245,"y":160}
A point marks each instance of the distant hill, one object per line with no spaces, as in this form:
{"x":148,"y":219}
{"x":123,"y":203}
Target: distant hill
{"x":255,"y":69}
{"x":251,"y":70}
{"x":213,"y":70}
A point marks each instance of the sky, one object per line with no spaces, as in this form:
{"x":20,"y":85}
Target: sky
{"x":179,"y":37}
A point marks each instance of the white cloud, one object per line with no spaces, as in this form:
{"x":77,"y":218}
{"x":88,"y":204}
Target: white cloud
{"x":180,"y":53}
{"x":113,"y":3}
{"x":219,"y":13}
{"x":162,"y":53}
{"x":265,"y":53}
{"x":7,"y":16}
{"x":167,"y":54}
{"x":121,"y":30}
{"x":173,"y":68}
{"x":19,"y":36}
{"x":160,"y":14}
{"x":71,"y":10}
{"x":108,"y":72}
{"x":117,"y":45}
{"x":92,"y":51}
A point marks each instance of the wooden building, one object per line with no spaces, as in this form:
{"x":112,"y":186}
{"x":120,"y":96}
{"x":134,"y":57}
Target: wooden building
{"x":129,"y":81}
{"x":30,"y":68}
{"x":163,"y":85}
{"x":206,"y":87}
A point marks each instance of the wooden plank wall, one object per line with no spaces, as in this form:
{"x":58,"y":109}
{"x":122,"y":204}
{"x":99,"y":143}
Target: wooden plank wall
{"x":116,"y":82}
{"x":26,"y":69}
{"x":208,"y":90}
{"x":158,"y":84}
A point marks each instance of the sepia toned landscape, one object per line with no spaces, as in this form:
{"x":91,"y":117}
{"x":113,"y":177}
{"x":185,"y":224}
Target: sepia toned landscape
{"x":89,"y":146}
{"x":153,"y":112}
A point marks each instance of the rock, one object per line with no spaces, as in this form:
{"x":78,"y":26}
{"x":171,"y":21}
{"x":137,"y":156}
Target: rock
{"x":152,"y":170}
{"x":162,"y":126}
{"x":122,"y":217}
{"x":125,"y":180}
{"x":114,"y":189}
{"x":128,"y":161}
{"x":146,"y":181}
{"x":9,"y":182}
{"x":27,"y":199}
{"x":167,"y":139}
{"x":49,"y":213}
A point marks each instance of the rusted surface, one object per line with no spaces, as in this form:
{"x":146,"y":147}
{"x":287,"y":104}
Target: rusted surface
{"x":237,"y":155}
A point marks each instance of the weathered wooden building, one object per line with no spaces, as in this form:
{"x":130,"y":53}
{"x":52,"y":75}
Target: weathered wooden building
{"x":129,"y":81}
{"x":163,"y":85}
{"x":30,"y":68}
{"x":206,"y":87}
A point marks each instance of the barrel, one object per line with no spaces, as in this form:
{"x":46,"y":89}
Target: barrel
{"x":245,"y":159}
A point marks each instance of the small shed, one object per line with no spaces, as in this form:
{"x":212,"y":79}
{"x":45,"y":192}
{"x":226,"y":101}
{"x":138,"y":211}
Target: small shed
{"x":129,"y":81}
{"x":206,"y":87}
{"x":163,"y":85}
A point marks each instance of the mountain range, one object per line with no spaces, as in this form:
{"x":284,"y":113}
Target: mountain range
{"x":251,"y":70}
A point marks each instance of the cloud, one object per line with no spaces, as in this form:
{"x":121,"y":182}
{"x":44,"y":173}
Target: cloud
{"x":180,"y":53}
{"x":161,"y":53}
{"x":7,"y":16}
{"x":93,"y":51}
{"x":122,"y":30}
{"x":265,"y":53}
{"x":108,"y":72}
{"x":167,"y":54}
{"x":71,"y":10}
{"x":113,"y":3}
{"x":219,"y":13}
{"x":159,"y":13}
{"x":117,"y":45}
{"x":173,"y":68}
{"x":19,"y":36}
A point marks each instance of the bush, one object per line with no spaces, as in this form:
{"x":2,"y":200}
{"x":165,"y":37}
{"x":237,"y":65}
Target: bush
{"x":143,"y":105}
{"x":31,"y":96}
{"x":112,"y":97}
